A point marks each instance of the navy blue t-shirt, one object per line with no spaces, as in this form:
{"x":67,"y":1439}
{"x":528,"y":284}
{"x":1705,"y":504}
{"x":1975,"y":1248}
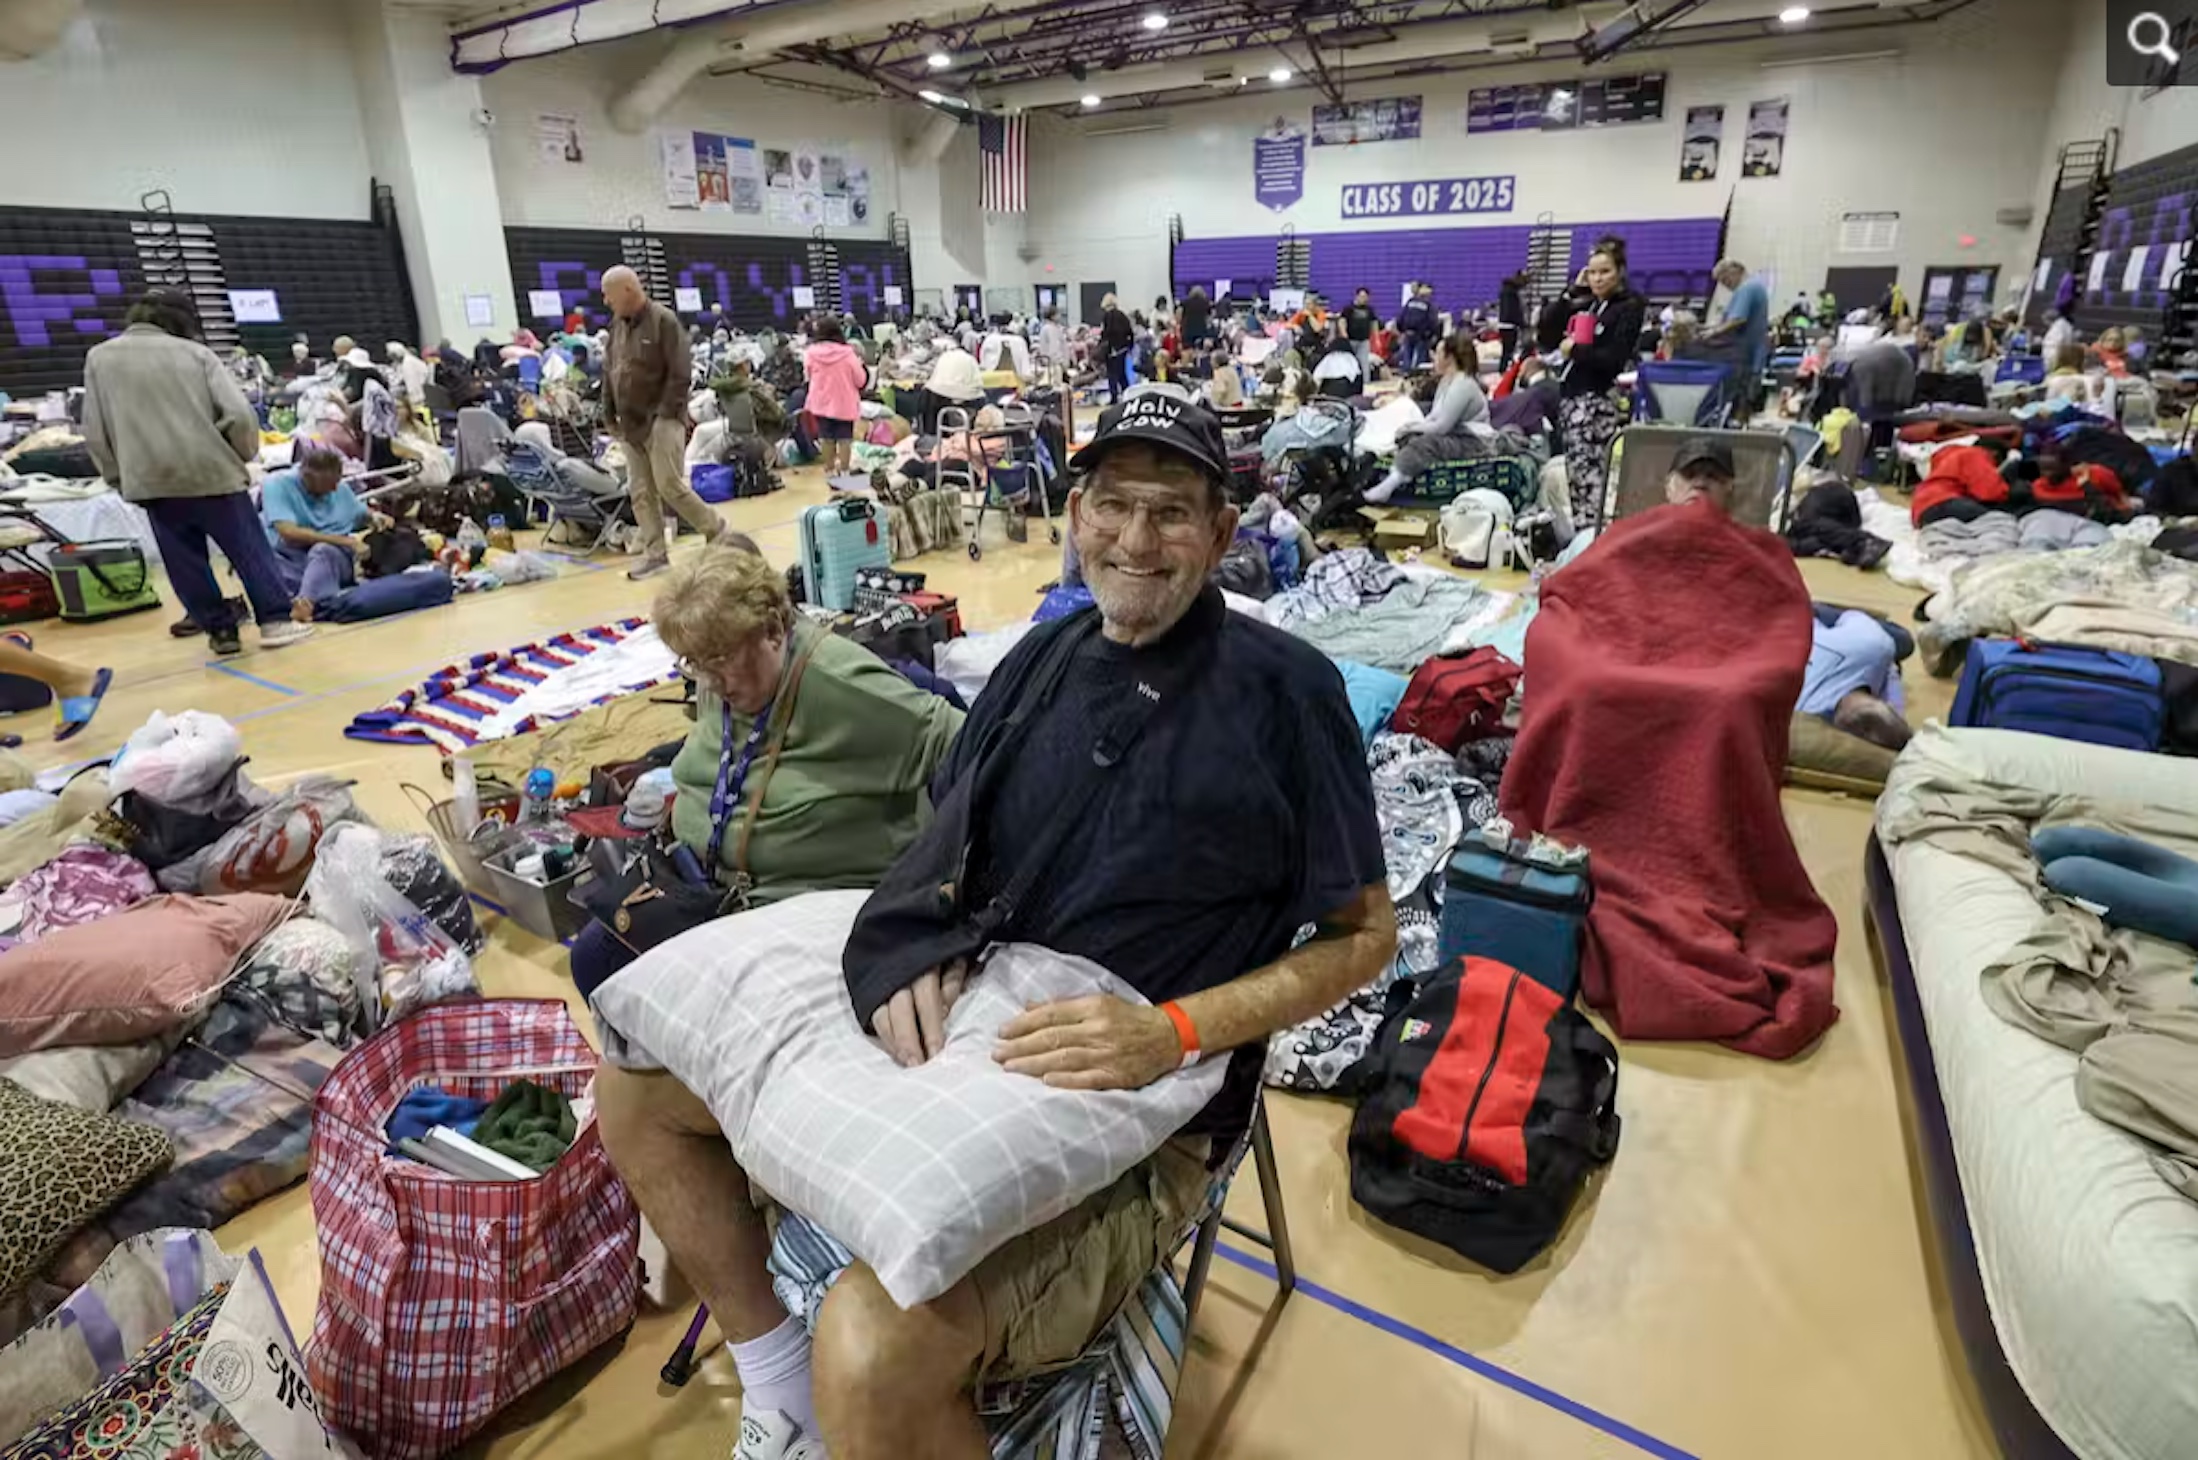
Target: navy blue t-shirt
{"x":1241,"y":813}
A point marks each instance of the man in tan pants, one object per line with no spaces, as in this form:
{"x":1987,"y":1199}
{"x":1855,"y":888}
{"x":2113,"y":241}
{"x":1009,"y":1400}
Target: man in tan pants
{"x":645,"y":383}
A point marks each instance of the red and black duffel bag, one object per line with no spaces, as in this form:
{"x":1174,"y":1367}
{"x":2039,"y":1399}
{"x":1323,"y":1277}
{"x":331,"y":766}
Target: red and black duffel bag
{"x":1485,"y":1104}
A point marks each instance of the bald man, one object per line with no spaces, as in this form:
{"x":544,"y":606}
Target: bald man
{"x":646,"y":378}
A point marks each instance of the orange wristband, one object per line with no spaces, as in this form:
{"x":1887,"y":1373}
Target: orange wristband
{"x":1186,"y":1033}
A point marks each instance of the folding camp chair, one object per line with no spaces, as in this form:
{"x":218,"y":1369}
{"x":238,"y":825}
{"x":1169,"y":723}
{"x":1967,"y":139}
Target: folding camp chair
{"x":1023,"y":1415}
{"x":1700,"y":392}
{"x":1641,"y":459}
{"x":564,"y":501}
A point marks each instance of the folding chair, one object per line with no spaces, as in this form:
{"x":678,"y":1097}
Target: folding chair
{"x":1699,"y":392}
{"x":598,"y":513}
{"x":1640,"y":461}
{"x":1024,"y":1416}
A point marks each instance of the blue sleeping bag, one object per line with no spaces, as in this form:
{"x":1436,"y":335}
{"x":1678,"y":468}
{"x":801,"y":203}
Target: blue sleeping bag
{"x":381,"y":597}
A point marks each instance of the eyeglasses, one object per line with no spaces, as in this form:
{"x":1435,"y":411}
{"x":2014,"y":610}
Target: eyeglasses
{"x":1171,"y":520}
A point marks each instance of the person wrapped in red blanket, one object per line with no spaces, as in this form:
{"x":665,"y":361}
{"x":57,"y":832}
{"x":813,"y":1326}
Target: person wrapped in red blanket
{"x":1663,"y":669}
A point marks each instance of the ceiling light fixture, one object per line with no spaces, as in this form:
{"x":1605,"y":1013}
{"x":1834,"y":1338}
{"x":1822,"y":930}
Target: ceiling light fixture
{"x":1279,"y":75}
{"x":938,"y":60}
{"x":1090,"y":102}
{"x":1154,"y":20}
{"x":1793,"y":15}
{"x":931,"y":96}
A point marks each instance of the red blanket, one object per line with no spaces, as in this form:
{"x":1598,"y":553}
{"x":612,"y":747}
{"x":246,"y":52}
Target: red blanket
{"x":1662,"y":672}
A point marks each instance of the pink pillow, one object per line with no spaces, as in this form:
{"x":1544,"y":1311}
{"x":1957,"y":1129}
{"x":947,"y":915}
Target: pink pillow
{"x":132,"y":975}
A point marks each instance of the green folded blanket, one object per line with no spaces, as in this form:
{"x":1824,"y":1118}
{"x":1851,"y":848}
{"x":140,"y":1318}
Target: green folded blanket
{"x":530,"y":1123}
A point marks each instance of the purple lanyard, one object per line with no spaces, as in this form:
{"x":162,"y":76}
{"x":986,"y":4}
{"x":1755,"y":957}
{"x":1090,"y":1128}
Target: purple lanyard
{"x":732,"y":775}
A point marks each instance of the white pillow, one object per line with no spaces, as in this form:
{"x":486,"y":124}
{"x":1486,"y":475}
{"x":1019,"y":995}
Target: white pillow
{"x":920,"y":1172}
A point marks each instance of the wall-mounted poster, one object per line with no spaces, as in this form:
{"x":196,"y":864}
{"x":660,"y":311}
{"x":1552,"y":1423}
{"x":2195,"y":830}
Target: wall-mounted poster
{"x":832,"y":174}
{"x":808,"y":171}
{"x":1558,"y":106}
{"x":557,"y":139}
{"x":744,"y":174}
{"x":1388,"y":119}
{"x":1764,"y":153}
{"x":260,"y":306}
{"x":713,"y":183}
{"x":1704,"y":140}
{"x":858,"y":192}
{"x":836,"y":212}
{"x":678,"y":150}
{"x":778,"y":167}
{"x":1278,"y":165}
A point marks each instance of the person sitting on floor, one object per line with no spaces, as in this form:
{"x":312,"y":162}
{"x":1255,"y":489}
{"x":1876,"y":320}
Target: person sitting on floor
{"x":823,"y":749}
{"x":1456,"y":429}
{"x":1224,"y":389}
{"x":1853,"y":679}
{"x":1238,"y":811}
{"x":1337,"y":374}
{"x":316,"y":524}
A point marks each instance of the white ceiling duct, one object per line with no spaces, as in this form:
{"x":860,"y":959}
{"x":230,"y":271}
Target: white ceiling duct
{"x":767,"y":29}
{"x":33,"y":27}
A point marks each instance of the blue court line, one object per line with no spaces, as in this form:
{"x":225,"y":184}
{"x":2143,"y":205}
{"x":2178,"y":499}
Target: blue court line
{"x":1595,"y":1419}
{"x":235,"y":673}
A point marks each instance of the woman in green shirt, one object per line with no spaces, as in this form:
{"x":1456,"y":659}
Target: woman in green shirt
{"x":831,"y":750}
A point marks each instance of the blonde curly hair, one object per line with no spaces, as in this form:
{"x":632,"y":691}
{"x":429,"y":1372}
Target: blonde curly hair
{"x":720,"y":599}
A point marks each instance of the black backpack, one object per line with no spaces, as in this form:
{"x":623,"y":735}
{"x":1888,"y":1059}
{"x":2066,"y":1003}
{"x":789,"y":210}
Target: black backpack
{"x":1485,"y":1103}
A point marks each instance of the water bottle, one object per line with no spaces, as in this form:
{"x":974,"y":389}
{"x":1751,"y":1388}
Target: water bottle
{"x":538,"y":805}
{"x":499,"y":535}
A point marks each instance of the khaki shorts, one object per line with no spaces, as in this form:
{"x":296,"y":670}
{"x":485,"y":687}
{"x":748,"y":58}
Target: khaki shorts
{"x":1046,"y":1293}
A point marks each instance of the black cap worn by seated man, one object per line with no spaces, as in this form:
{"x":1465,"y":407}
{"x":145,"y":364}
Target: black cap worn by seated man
{"x":1166,"y":423}
{"x":1704,"y":454}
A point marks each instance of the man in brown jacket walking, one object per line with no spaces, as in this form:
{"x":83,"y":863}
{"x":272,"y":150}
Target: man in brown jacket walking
{"x":645,"y":385}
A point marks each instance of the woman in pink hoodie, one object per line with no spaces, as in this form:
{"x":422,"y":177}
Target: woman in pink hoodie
{"x":836,"y":378}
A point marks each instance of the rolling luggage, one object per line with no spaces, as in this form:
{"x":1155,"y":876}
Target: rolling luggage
{"x":837,"y":539}
{"x":2093,"y":695}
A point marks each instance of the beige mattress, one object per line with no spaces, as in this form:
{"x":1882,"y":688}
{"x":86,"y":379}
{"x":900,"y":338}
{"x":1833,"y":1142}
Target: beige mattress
{"x":2089,"y":1259}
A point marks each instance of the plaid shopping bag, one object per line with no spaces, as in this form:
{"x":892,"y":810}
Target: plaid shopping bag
{"x":442,"y":1300}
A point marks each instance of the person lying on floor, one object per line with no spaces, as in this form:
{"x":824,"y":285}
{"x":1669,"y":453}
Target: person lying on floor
{"x":1853,"y":679}
{"x":821,"y":749}
{"x":2048,"y":481}
{"x":1961,"y":485}
{"x":1238,"y":811}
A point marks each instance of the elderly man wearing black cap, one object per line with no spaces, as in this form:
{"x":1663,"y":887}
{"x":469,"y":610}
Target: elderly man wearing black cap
{"x":1702,"y":470}
{"x":1157,"y":784}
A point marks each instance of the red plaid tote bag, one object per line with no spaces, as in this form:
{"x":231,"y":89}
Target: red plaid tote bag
{"x":443,"y":1300}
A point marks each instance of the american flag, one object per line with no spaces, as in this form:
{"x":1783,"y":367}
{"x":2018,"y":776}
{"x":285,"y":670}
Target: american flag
{"x":1003,"y":162}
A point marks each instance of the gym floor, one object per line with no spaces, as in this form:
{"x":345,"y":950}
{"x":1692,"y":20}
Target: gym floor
{"x":1753,"y":1276}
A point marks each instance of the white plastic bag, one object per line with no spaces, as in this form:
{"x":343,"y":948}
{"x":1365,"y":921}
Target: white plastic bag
{"x":405,"y":960}
{"x":171,"y":758}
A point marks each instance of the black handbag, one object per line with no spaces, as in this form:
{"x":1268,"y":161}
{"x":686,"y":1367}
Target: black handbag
{"x":654,"y":901}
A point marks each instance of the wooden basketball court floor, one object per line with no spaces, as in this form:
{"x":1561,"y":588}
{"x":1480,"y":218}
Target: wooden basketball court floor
{"x":1753,"y":1276}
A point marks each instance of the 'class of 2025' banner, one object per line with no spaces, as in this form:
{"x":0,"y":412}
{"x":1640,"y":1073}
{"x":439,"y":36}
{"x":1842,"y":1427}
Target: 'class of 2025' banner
{"x":1432,"y":197}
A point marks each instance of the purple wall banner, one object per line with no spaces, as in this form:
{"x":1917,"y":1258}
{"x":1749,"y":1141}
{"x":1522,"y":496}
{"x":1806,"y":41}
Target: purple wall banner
{"x":1435,"y":196}
{"x":1389,"y":119}
{"x":1278,"y":166}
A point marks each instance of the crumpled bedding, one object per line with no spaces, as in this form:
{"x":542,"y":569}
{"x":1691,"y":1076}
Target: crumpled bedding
{"x":1425,"y":800}
{"x":2122,"y":596}
{"x":1377,"y":431}
{"x":1401,"y":630}
{"x":2106,"y":993}
{"x":2053,"y":531}
{"x":236,"y":1100}
{"x":1949,"y":541}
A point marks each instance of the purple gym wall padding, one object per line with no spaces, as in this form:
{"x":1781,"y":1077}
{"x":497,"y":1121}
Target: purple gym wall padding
{"x":1664,"y":257}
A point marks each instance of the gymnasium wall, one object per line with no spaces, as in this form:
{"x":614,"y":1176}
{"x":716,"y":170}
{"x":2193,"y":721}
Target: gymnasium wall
{"x":747,"y":280}
{"x":621,"y":176}
{"x":234,"y":106}
{"x":1966,"y":92}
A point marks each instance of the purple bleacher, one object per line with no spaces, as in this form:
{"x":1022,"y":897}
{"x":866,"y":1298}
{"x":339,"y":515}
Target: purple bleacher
{"x":1665,"y":257}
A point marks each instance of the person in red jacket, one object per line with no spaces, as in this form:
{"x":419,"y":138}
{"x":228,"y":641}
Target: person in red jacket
{"x":2084,"y":488}
{"x":1964,"y":483}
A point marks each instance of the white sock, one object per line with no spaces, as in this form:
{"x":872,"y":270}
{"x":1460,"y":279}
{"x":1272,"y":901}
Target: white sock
{"x":774,"y":1373}
{"x":1385,"y":488}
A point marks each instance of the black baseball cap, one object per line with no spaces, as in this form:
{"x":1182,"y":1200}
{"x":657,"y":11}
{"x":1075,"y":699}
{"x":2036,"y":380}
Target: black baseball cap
{"x":1698,"y":453}
{"x":1167,"y":422}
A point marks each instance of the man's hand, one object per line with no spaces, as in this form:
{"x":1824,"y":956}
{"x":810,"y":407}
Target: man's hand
{"x":912,"y":1024}
{"x":1094,"y":1043}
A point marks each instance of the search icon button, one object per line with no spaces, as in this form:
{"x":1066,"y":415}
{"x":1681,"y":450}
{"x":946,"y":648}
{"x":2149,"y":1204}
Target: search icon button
{"x":2150,"y":35}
